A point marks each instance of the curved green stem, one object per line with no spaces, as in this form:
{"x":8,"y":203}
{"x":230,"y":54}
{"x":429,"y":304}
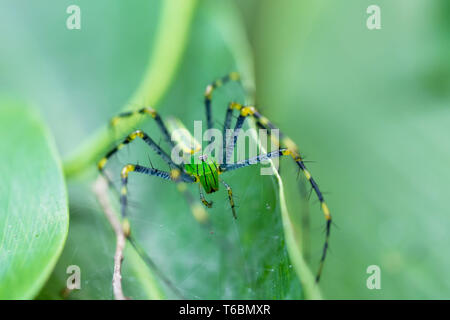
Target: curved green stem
{"x":170,"y":42}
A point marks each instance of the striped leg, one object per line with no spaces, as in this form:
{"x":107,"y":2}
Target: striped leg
{"x":237,"y":129}
{"x":255,"y":160}
{"x":291,"y":150}
{"x":203,"y":199}
{"x":142,"y":135}
{"x":226,"y":126}
{"x":286,"y":142}
{"x":148,"y":112}
{"x":233,"y":76}
{"x":230,"y":198}
{"x":198,"y":212}
{"x":174,"y":175}
{"x":131,"y":137}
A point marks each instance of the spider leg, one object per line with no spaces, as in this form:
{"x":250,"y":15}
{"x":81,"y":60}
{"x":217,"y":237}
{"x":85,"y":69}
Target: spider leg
{"x":198,"y":213}
{"x":127,"y":114}
{"x":148,"y":111}
{"x":251,"y":161}
{"x":203,"y":199}
{"x":149,"y":141}
{"x":291,"y":150}
{"x":173,"y":175}
{"x":230,"y":198}
{"x":282,"y":140}
{"x":233,"y":76}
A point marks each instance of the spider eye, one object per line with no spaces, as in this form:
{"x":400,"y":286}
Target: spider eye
{"x":203,"y":157}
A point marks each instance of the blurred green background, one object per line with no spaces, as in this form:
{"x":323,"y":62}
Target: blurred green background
{"x":370,"y":108}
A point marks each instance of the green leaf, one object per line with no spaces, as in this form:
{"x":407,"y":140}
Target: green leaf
{"x":33,"y":202}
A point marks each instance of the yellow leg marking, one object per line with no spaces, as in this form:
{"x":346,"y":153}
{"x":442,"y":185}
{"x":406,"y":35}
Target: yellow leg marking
{"x":127,"y":169}
{"x":175,"y":174}
{"x":234,"y":76}
{"x":102,"y":163}
{"x":208,"y":91}
{"x":206,"y":203}
{"x":126,"y":227}
{"x":137,"y":133}
{"x":246,"y":111}
{"x":264,"y":121}
{"x":147,"y":110}
{"x":326,"y":211}
{"x":235,"y":106}
{"x":230,"y":196}
{"x":293,"y":154}
{"x":123,"y":191}
{"x":307,"y":174}
{"x":150,"y":111}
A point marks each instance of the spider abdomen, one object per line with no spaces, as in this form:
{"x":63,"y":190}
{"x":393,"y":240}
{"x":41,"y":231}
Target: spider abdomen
{"x":206,"y":171}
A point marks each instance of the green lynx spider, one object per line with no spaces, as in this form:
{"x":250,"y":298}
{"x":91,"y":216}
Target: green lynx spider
{"x":208,"y":172}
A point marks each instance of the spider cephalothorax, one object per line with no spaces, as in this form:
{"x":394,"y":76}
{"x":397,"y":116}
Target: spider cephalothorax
{"x":204,"y":169}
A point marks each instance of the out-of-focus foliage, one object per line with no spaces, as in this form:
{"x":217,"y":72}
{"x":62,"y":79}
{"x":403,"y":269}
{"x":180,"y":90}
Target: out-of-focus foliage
{"x":33,"y":201}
